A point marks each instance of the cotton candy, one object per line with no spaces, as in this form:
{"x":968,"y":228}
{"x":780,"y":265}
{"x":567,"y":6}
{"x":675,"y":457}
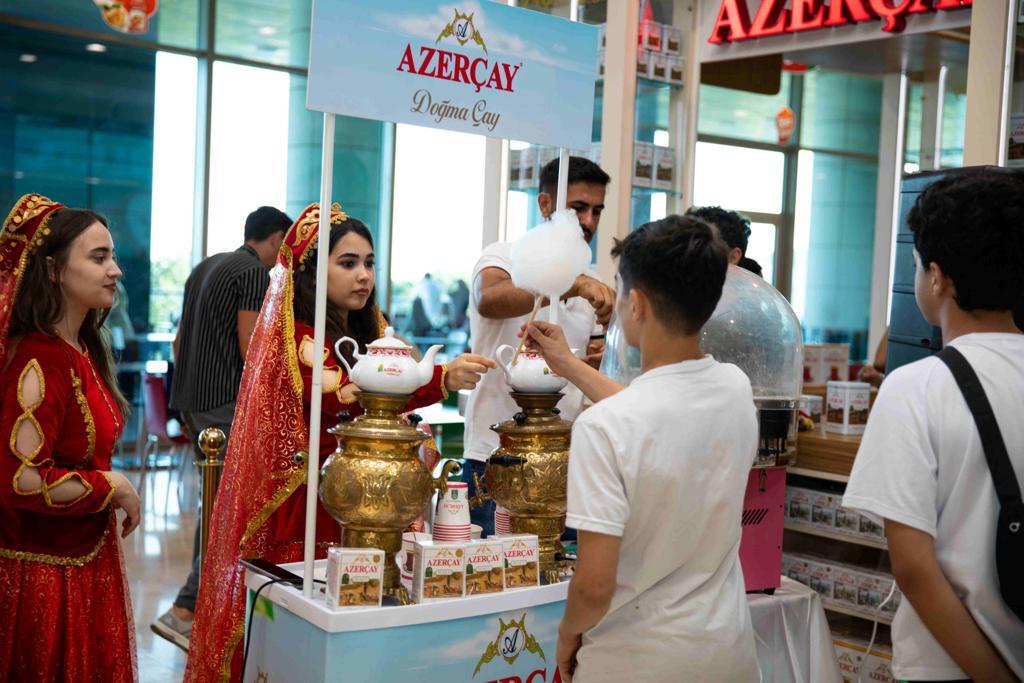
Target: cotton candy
{"x":549,"y":258}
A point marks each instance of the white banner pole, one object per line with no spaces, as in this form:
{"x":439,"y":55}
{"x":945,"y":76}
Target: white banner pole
{"x":316,"y":391}
{"x":563,"y":172}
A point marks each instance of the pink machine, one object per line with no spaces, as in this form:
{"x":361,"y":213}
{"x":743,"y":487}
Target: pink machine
{"x":761,"y":544}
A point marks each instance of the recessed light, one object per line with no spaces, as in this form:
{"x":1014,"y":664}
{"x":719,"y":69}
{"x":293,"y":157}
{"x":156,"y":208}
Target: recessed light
{"x":27,"y":58}
{"x":96,"y":47}
{"x":267,"y":31}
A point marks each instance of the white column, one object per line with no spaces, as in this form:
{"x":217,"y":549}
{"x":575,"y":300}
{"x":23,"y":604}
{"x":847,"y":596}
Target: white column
{"x":495,"y":191}
{"x":988,"y":81}
{"x":932,"y":97}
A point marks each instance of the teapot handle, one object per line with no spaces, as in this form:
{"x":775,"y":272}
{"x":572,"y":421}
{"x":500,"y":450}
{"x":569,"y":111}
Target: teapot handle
{"x":339,"y":345}
{"x":502,"y":363}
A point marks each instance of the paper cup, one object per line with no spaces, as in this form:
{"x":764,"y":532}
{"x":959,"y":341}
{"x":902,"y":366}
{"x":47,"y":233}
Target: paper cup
{"x":475,"y":531}
{"x":453,"y":507}
{"x":502,"y":522}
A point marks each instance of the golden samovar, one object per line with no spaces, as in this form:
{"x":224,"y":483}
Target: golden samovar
{"x":528,"y":474}
{"x":375,"y":485}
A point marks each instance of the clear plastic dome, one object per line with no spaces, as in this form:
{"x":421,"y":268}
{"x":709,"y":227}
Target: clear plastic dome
{"x":753,"y":327}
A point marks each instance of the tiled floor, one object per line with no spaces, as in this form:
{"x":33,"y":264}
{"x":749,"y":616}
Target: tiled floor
{"x":157,"y":557}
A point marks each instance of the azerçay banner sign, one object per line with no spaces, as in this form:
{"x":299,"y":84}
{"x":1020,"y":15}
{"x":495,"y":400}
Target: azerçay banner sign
{"x":471,"y":66}
{"x":735,"y":22}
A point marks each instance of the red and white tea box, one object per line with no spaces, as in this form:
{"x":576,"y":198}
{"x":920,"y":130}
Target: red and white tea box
{"x":659,"y":67}
{"x":522,"y":560}
{"x":650,"y":35}
{"x":439,"y":571}
{"x":812,"y":408}
{"x":855,"y":664}
{"x":798,"y":504}
{"x":676,"y":70}
{"x":529,"y":173}
{"x":355,"y":577}
{"x":671,"y":40}
{"x":845,"y":586}
{"x":814,"y":364}
{"x":485,"y":566}
{"x":664,"y":168}
{"x":404,"y":558}
{"x":837,"y":362}
{"x":846,"y":407}
{"x":643,"y":63}
{"x":873,"y":589}
{"x":643,"y":164}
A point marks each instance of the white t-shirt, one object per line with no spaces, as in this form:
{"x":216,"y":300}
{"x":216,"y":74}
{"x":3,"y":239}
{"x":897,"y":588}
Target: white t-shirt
{"x":664,"y":465}
{"x":489,"y":402}
{"x":921,"y":464}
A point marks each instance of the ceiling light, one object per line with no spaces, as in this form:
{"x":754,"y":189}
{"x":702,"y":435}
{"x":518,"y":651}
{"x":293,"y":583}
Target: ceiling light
{"x":27,"y":58}
{"x":267,"y":31}
{"x":96,"y":47}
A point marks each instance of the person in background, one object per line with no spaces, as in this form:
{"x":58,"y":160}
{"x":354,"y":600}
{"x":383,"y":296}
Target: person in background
{"x":874,"y":372}
{"x":921,"y":466}
{"x":429,"y":295}
{"x":458,"y":294}
{"x":222,"y":300}
{"x":734,"y":228}
{"x":657,"y":472}
{"x":498,"y":309}
{"x":64,"y":600}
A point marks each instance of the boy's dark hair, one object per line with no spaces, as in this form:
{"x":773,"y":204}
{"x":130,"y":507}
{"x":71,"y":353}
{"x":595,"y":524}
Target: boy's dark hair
{"x":264,"y":222}
{"x":972,"y":225}
{"x":680,"y":264}
{"x":581,"y":170}
{"x":734,"y":227}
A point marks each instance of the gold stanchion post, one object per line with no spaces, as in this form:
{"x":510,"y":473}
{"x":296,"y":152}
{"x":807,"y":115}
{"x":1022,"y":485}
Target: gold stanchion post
{"x":211,"y":443}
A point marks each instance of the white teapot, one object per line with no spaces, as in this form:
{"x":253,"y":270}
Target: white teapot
{"x":387,"y":367}
{"x":530,"y":374}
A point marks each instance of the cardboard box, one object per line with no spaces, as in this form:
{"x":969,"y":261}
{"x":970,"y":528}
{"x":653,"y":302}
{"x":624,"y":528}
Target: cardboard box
{"x":872,"y":590}
{"x":643,"y":63}
{"x":355,"y":577}
{"x":845,"y":586}
{"x":485,"y":566}
{"x":847,"y":521}
{"x":529,"y":173}
{"x":823,"y":510}
{"x":870,"y":528}
{"x":814,"y":368}
{"x":812,"y":408}
{"x":439,"y":571}
{"x":650,"y":35}
{"x":846,"y":407}
{"x":643,"y":164}
{"x":798,"y":504}
{"x":664,"y":168}
{"x":810,"y":571}
{"x":671,"y":40}
{"x":676,"y":70}
{"x":658,"y":70}
{"x":522,"y":560}
{"x":545,"y":155}
{"x":856,"y":664}
{"x":515,"y":167}
{"x":837,"y":362}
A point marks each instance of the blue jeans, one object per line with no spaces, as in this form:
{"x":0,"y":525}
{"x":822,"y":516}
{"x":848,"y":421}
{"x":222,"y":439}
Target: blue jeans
{"x":483,"y":515}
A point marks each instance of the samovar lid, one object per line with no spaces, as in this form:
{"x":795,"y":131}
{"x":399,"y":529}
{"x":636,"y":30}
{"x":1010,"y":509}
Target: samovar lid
{"x":381,"y":419}
{"x":538,"y":416}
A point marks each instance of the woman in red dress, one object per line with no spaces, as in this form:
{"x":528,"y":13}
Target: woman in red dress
{"x":260,"y":508}
{"x":65,"y":606}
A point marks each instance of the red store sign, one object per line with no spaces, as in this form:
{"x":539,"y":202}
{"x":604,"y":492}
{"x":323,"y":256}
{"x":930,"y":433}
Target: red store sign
{"x":773,"y":18}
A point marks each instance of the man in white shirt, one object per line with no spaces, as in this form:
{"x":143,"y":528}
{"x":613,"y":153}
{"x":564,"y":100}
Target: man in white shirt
{"x":921,"y":466}
{"x":498,"y":310}
{"x":657,"y":473}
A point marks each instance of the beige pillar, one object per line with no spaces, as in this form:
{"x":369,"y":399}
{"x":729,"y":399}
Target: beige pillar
{"x":988,"y":81}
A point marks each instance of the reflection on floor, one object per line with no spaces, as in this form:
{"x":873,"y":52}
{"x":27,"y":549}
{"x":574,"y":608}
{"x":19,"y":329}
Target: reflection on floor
{"x":157,"y":557}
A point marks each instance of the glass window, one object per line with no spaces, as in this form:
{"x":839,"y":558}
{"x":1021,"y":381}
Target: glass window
{"x":841,"y":112}
{"x":740,"y":114}
{"x":954,"y":119}
{"x":912,"y":131}
{"x":270,"y":32}
{"x":171,"y":23}
{"x":437,"y":235}
{"x":832,"y":255}
{"x":761,"y":248}
{"x":738,"y":178}
{"x":265,"y":150}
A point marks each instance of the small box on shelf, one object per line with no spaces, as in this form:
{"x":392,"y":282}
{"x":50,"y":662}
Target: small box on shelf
{"x":643,"y":63}
{"x":643,"y":164}
{"x":676,"y":70}
{"x":664,"y":159}
{"x":846,"y":407}
{"x":671,"y":40}
{"x":650,"y":35}
{"x":529,"y":171}
{"x":658,"y":70}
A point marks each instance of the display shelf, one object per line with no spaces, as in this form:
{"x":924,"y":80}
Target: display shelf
{"x":819,"y":451}
{"x":818,"y":474}
{"x":860,"y":614}
{"x":823,"y":533}
{"x":649,"y":82}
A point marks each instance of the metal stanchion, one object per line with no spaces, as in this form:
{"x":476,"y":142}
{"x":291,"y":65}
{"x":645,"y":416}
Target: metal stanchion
{"x":211,"y":443}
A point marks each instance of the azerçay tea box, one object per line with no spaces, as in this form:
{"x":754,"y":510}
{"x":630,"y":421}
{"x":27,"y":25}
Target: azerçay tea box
{"x":522,"y":560}
{"x":485,"y":566}
{"x":438,"y":571}
{"x":354,"y":577}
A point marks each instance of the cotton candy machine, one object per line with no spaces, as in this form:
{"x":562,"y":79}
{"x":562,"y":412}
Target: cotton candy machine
{"x":754,"y":328}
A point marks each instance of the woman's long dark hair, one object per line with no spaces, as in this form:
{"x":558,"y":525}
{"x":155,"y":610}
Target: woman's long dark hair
{"x":39,"y":305}
{"x":362,"y":324}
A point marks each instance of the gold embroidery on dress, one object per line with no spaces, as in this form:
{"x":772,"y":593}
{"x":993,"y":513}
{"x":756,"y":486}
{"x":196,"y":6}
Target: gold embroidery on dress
{"x":444,"y":376}
{"x":110,"y":495}
{"x":56,"y":559}
{"x":115,"y":414}
{"x":28,"y":415}
{"x":302,"y":359}
{"x":90,"y":424}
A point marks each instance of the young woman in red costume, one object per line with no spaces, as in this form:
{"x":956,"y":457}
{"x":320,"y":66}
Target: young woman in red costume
{"x":260,"y":508}
{"x":65,"y":606}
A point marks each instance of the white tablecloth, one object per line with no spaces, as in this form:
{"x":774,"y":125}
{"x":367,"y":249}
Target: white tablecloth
{"x":794,"y":643}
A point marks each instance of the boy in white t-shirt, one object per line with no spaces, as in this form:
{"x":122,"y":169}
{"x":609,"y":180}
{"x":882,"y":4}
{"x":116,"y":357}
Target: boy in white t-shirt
{"x":657,"y":473}
{"x":921,"y":465}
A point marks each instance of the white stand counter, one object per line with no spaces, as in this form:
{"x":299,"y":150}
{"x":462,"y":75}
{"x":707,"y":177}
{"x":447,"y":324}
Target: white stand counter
{"x":502,"y":638}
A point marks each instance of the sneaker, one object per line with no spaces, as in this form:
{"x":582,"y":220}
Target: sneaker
{"x":171,"y":628}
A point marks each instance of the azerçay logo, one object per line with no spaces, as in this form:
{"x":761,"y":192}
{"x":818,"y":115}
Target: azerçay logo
{"x":479,"y":72}
{"x":512,"y":640}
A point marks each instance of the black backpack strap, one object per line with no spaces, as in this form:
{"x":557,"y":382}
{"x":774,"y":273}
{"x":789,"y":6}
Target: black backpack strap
{"x":991,"y":437}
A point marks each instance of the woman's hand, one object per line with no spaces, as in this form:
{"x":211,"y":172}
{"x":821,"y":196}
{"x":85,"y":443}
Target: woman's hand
{"x":465,"y":371}
{"x":348,"y":393}
{"x":127,"y":499}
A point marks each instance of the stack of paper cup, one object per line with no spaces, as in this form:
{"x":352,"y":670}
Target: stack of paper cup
{"x":451,"y":520}
{"x":502,"y":523}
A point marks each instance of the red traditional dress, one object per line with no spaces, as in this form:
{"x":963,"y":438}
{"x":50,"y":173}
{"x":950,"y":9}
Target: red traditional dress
{"x":65,"y":610}
{"x":260,"y":507}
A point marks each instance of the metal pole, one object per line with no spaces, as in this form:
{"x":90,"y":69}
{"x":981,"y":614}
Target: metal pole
{"x":211,"y":443}
{"x":316,"y":395}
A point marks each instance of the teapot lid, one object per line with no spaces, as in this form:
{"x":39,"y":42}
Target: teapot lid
{"x":388,"y":341}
